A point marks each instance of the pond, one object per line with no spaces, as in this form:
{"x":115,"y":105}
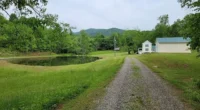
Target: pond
{"x":54,"y":61}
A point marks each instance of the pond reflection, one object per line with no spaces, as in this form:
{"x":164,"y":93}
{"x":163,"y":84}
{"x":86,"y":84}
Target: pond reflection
{"x":54,"y":61}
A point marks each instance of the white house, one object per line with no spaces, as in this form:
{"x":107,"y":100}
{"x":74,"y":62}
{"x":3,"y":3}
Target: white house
{"x":172,"y":45}
{"x":146,"y":47}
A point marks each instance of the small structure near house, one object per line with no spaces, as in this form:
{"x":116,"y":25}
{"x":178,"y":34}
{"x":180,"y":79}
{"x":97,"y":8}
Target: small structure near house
{"x":153,"y":48}
{"x":139,"y":50}
{"x":172,"y":45}
{"x":117,"y":49}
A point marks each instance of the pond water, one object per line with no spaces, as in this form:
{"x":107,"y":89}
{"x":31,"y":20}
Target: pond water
{"x":54,"y":61}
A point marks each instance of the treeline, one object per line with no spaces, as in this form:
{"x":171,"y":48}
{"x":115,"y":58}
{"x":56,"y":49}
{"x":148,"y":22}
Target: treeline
{"x":131,"y":40}
{"x":48,"y":35}
{"x":40,"y":35}
{"x":43,"y":33}
{"x":189,"y":26}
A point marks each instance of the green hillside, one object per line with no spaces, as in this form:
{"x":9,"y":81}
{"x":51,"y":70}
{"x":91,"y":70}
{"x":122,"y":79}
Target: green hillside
{"x":105,"y":32}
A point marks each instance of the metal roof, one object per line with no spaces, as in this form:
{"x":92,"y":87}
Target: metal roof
{"x":173,"y":39}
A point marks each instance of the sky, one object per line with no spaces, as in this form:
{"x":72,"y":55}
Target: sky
{"x":123,"y":14}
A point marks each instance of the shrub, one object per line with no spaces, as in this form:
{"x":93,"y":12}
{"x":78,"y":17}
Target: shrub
{"x":195,"y":96}
{"x":197,"y":83}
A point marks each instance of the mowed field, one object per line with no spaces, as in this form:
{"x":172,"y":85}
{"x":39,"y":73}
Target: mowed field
{"x":180,"y":70}
{"x":59,"y":87}
{"x":77,"y":87}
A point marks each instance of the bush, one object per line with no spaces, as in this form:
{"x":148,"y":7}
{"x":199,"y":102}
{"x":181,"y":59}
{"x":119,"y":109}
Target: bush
{"x":7,"y":52}
{"x":195,"y":96}
{"x":197,"y":83}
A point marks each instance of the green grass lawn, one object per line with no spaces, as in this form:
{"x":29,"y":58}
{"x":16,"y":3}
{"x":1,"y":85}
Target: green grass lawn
{"x":108,"y":53}
{"x":181,"y":70}
{"x":39,"y":88}
{"x":102,"y":52}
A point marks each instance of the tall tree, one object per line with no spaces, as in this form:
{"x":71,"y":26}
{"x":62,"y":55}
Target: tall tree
{"x":24,"y":6}
{"x":84,"y":43}
{"x":164,"y":19}
{"x":176,"y":28}
{"x":13,"y":17}
{"x":191,"y":28}
{"x":133,"y":40}
{"x":192,"y":24}
{"x":162,"y":28}
{"x":194,"y":4}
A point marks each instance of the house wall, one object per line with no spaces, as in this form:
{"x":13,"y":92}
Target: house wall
{"x":149,"y":48}
{"x":172,"y":48}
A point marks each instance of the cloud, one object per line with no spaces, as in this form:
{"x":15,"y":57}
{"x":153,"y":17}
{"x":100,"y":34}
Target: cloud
{"x":125,"y":14}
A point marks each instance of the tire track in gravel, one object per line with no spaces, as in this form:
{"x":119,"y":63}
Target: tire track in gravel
{"x":137,"y":88}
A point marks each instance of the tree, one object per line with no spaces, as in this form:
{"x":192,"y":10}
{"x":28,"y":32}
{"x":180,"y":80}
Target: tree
{"x":192,"y":24}
{"x":24,"y":6}
{"x":161,"y":31}
{"x":164,"y":19}
{"x":162,"y":28}
{"x":103,"y":43}
{"x":194,"y":4}
{"x":191,"y":28}
{"x":23,"y":41}
{"x":84,"y":43}
{"x":2,"y":19}
{"x":176,"y":28}
{"x":13,"y":17}
{"x":50,"y":20}
{"x":132,"y":40}
{"x":3,"y":35}
{"x":99,"y":41}
{"x":130,"y":44}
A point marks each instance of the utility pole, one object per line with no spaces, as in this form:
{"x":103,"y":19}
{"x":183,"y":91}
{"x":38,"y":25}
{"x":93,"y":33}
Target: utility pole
{"x":114,"y":46}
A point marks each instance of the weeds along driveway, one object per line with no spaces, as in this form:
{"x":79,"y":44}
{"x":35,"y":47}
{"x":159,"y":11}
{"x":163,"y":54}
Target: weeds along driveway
{"x":137,"y":87}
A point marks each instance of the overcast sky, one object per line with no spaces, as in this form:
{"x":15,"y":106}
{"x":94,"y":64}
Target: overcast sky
{"x":124,"y":14}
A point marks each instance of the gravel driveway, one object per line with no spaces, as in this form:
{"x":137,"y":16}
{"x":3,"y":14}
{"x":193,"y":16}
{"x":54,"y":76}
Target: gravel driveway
{"x":137,"y":88}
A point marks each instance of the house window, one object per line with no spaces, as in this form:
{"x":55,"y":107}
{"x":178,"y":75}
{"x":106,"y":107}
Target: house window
{"x":146,"y":49}
{"x":146,"y":45}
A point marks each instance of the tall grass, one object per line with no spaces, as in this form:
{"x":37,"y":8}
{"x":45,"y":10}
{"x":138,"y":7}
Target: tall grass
{"x":6,"y":52}
{"x":181,"y":70}
{"x":40,"y":88}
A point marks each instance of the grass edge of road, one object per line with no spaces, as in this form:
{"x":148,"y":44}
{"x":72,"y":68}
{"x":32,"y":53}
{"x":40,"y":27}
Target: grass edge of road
{"x":54,"y":72}
{"x":90,"y":99}
{"x":172,"y":68}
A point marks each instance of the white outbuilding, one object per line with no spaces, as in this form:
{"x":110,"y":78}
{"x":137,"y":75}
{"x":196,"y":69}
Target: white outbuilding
{"x":172,"y":45}
{"x":146,"y":47}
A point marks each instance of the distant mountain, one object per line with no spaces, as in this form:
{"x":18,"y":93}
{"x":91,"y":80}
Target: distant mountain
{"x":105,"y":32}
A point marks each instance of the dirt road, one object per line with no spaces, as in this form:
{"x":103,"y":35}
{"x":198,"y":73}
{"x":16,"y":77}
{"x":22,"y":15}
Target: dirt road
{"x":137,"y":88}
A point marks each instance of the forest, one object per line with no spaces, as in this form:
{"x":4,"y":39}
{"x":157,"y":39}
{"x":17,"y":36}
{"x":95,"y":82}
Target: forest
{"x":44,"y":33}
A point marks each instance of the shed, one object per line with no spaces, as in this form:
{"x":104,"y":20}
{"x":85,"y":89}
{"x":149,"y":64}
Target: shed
{"x":173,"y":45}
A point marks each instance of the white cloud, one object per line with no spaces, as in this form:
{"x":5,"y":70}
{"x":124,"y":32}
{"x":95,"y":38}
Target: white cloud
{"x":123,"y":14}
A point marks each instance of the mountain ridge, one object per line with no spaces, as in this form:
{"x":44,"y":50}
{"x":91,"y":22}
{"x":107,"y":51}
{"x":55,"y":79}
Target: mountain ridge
{"x":105,"y":32}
